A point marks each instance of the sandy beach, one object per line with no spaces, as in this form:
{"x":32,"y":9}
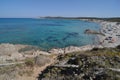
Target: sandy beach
{"x":111,"y":30}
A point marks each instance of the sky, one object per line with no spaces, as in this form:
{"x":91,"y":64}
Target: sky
{"x":65,"y":8}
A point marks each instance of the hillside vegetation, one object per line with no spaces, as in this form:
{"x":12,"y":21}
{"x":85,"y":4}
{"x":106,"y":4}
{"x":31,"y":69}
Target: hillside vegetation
{"x":97,"y":64}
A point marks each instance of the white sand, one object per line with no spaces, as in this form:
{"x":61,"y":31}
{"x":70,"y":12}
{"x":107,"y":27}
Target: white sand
{"x":111,"y":30}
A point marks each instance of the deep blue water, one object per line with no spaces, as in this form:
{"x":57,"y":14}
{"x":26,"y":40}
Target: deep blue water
{"x":46,"y":33}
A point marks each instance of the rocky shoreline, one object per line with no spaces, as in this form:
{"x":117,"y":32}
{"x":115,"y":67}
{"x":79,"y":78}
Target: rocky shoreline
{"x":96,"y":64}
{"x":12,"y":53}
{"x":111,"y":38}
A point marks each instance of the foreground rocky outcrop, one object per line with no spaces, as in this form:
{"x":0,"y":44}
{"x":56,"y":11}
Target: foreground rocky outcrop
{"x":29,"y":70}
{"x":12,"y":53}
{"x":22,"y":62}
{"x":17,"y":52}
{"x":97,"y":64}
{"x":70,"y":63}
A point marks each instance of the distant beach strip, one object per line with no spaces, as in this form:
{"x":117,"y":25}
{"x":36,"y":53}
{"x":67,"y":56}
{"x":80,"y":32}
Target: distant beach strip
{"x":110,"y":32}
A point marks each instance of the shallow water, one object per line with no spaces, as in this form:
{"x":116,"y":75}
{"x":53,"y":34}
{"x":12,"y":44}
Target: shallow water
{"x":46,"y":33}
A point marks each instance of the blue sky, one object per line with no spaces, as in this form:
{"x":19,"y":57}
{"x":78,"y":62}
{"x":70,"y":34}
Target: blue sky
{"x":72,"y":8}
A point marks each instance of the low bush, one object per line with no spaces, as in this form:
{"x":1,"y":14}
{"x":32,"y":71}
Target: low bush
{"x":29,"y":62}
{"x":118,"y":47}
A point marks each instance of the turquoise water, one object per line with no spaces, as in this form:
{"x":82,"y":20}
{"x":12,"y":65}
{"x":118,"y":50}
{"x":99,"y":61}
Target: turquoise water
{"x":46,"y":33}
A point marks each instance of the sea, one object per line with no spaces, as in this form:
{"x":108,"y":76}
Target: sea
{"x":47,"y":33}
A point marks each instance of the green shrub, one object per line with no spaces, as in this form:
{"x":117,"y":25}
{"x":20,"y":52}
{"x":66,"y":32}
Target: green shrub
{"x":29,"y":62}
{"x":118,"y":47}
{"x":95,"y":49}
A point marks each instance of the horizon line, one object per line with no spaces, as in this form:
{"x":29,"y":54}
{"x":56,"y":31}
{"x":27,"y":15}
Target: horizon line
{"x":64,"y":17}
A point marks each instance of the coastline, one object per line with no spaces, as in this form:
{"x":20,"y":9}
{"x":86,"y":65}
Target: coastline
{"x":111,"y":39}
{"x":111,"y":33}
{"x":16,"y":54}
{"x":12,"y":53}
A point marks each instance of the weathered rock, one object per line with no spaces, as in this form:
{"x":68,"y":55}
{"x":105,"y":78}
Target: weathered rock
{"x":41,"y":60}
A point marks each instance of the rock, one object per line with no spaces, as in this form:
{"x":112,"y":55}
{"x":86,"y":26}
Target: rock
{"x":71,"y":49}
{"x":36,"y":53}
{"x":7,"y":49}
{"x":117,"y":58}
{"x":41,"y":60}
{"x":10,"y":52}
